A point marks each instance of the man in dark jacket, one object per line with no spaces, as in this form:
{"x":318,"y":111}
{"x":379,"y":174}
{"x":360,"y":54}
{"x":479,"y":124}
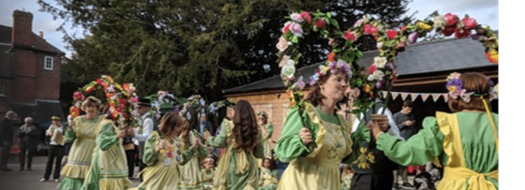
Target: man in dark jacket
{"x":6,"y":139}
{"x":28,"y":142}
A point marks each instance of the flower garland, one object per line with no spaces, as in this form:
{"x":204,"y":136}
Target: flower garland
{"x":455,"y":89}
{"x":382,"y":71}
{"x":119,"y":98}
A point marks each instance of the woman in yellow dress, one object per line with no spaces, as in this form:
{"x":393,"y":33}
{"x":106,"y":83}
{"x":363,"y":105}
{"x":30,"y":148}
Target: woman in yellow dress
{"x":82,"y":134}
{"x":238,"y":167}
{"x":268,"y":179}
{"x":109,"y":168}
{"x":164,"y":154}
{"x":267,"y":130}
{"x":208,"y":172}
{"x":315,"y":152}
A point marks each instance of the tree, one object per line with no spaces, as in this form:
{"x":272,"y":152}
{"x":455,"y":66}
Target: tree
{"x":199,"y":46}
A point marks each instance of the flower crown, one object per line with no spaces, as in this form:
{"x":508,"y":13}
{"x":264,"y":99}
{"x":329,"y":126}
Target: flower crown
{"x":334,"y":67}
{"x":93,"y":98}
{"x":455,"y":89}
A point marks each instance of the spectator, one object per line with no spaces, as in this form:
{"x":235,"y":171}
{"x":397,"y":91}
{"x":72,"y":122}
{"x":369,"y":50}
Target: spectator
{"x":56,"y":148}
{"x":6,"y":139}
{"x":405,"y":120}
{"x":28,"y":142}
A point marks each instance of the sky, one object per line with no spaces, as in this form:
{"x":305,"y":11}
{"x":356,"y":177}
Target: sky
{"x":485,"y":11}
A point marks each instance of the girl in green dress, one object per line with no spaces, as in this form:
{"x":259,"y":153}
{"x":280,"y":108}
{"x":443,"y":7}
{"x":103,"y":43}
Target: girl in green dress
{"x":164,"y":154}
{"x":465,"y":141}
{"x":315,"y":153}
{"x":268,"y":179}
{"x":83,"y":135}
{"x":267,"y":130}
{"x":238,"y":167}
{"x":109,"y":168}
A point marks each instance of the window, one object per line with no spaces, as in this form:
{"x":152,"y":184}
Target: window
{"x":48,"y":63}
{"x":2,"y":89}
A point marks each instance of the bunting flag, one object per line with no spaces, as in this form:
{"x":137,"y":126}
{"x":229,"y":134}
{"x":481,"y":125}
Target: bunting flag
{"x":424,"y":97}
{"x":394,"y":95}
{"x":435,"y":97}
{"x":413,"y":97}
{"x":404,"y":96}
{"x":446,"y":98}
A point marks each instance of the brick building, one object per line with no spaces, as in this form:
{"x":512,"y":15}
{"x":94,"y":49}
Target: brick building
{"x":29,"y":72}
{"x":422,"y":68}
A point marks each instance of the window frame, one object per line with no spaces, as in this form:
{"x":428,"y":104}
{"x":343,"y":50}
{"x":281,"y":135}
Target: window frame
{"x":45,"y":63}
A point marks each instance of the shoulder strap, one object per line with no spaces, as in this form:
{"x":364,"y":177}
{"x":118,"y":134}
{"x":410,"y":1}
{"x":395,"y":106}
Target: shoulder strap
{"x":448,"y":125}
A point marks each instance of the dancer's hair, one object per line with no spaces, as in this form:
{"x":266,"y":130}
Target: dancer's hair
{"x":245,"y":129}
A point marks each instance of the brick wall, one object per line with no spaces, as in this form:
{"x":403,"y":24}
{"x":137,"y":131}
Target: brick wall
{"x":48,"y":81}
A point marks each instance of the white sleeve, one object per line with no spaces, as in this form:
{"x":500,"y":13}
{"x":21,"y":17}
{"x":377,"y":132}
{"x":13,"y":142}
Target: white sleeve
{"x":49,"y":129}
{"x":393,"y":127}
{"x":357,"y":122}
{"x":147,"y":128}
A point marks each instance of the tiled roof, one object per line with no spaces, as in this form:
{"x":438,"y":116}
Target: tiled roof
{"x":427,"y":57}
{"x":38,"y":43}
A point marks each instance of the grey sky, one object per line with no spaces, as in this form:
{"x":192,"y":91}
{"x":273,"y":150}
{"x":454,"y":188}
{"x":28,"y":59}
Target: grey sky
{"x":484,"y":11}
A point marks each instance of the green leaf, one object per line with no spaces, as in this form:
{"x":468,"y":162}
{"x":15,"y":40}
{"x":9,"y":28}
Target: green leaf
{"x":334,"y":22}
{"x":337,"y":50}
{"x":359,"y":83}
{"x":359,"y":54}
{"x":327,"y":21}
{"x":295,"y":39}
{"x":329,"y":14}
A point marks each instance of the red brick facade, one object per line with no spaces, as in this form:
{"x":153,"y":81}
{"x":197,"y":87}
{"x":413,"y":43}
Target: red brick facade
{"x":23,"y":72}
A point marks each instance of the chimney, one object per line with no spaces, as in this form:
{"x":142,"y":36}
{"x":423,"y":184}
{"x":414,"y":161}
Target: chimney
{"x":22,"y":28}
{"x":41,"y":35}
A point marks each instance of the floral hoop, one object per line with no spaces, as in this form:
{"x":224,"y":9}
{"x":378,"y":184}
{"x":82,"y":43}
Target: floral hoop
{"x":120,"y":99}
{"x":389,"y":43}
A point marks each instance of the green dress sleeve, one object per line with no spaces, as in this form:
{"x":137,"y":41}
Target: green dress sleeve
{"x":359,"y":135}
{"x":149,"y":156}
{"x":275,"y":174}
{"x":201,"y":151}
{"x":218,"y":141}
{"x":422,"y":147}
{"x":71,"y":136}
{"x":290,"y":146}
{"x":269,"y":130}
{"x":187,"y":154}
{"x":106,"y":137}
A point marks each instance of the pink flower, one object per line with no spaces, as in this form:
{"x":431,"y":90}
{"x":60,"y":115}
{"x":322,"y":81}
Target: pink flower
{"x":306,"y":15}
{"x":330,"y":40}
{"x":320,"y":23}
{"x":370,"y":29}
{"x":448,"y":31}
{"x":349,"y":35}
{"x":358,"y":23}
{"x":451,"y":19}
{"x":412,"y":38}
{"x":333,"y":67}
{"x":296,"y":29}
{"x":297,"y":17}
{"x":400,"y":45}
{"x":286,"y":27}
{"x":299,"y":84}
{"x":284,"y":60}
{"x":469,"y":23}
{"x":391,"y":34}
{"x":282,"y":45}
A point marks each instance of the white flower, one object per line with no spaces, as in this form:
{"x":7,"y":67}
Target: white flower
{"x":288,"y":70}
{"x":379,"y":62}
{"x":379,"y":45}
{"x":439,"y":21}
{"x":297,"y":17}
{"x":370,"y":78}
{"x":378,"y":75}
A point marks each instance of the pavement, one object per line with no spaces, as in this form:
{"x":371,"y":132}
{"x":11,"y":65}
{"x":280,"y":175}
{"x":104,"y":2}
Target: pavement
{"x":30,"y":180}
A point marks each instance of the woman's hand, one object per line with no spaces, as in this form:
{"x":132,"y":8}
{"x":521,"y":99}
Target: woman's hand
{"x":130,"y":132}
{"x":121,"y":134}
{"x":306,"y":136}
{"x":196,"y":142}
{"x":382,"y":121}
{"x":206,"y":135}
{"x":162,"y":144}
{"x":49,"y":134}
{"x":374,"y":128}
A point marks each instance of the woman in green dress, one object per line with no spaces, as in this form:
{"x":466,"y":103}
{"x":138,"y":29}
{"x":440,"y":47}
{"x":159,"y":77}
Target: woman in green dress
{"x":109,"y":168}
{"x":267,"y":130}
{"x":164,"y":154}
{"x":238,"y":167}
{"x":465,"y":141}
{"x":315,"y":153}
{"x":83,"y":135}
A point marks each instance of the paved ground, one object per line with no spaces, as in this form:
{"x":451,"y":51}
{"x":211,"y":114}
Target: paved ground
{"x":22,"y":180}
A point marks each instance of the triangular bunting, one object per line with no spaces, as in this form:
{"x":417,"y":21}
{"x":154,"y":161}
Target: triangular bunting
{"x":394,"y":95}
{"x":385,"y":93}
{"x":413,"y":97}
{"x":435,"y":97}
{"x":424,"y":97}
{"x":446,"y":97}
{"x":404,"y":96}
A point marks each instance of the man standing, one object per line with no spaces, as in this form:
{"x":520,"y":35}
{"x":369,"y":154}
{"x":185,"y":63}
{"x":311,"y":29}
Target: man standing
{"x":56,"y":149}
{"x":205,"y":125}
{"x":28,"y":142}
{"x":405,"y":120}
{"x":6,"y":139}
{"x":144,"y":129}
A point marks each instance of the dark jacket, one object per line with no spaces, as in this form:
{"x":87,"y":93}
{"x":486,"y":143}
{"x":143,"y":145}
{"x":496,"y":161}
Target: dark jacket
{"x":6,"y":131}
{"x":30,"y":138}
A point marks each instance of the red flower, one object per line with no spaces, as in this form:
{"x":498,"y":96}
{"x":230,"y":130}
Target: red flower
{"x":331,"y":56}
{"x":448,"y":31}
{"x":403,"y":28}
{"x":349,"y":36}
{"x":99,"y":81}
{"x":122,"y":101}
{"x":306,"y":16}
{"x":372,"y":68}
{"x":372,"y":95}
{"x":459,"y":34}
{"x":375,"y":36}
{"x":109,"y":95}
{"x":451,"y":19}
{"x":286,"y":28}
{"x":320,"y":23}
{"x":469,"y":23}
{"x":370,"y":29}
{"x":89,"y":89}
{"x":391,"y":34}
{"x":125,"y":86}
{"x":292,"y":103}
